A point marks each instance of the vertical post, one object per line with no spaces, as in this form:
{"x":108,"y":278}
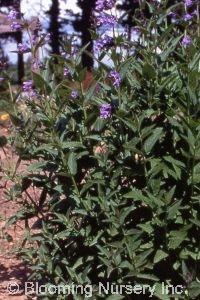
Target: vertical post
{"x":18,"y":38}
{"x":87,"y":9}
{"x":54,"y":26}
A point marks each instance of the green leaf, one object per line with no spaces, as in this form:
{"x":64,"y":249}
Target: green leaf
{"x":146,"y":227}
{"x":174,"y":161}
{"x":135,"y":194}
{"x":170,"y":46}
{"x":141,"y":259}
{"x":176,"y":238}
{"x":72,"y":163}
{"x":15,"y":119}
{"x":194,"y":289}
{"x":103,"y":251}
{"x":149,"y":71}
{"x":173,"y":209}
{"x":193,"y":79}
{"x":160,"y":255}
{"x":72,"y":145}
{"x":147,"y":276}
{"x":130,"y":124}
{"x":152,"y":139}
{"x":115,"y":297}
{"x":40,"y":83}
{"x":41,"y":166}
{"x":160,"y":292}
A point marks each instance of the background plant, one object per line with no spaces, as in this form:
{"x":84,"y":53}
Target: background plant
{"x":116,"y":164}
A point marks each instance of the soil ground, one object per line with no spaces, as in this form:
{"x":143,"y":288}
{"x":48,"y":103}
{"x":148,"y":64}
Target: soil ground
{"x":13,"y":271}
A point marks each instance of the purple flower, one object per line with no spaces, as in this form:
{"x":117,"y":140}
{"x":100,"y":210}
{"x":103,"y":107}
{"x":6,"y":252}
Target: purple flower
{"x":186,"y":41}
{"x":104,"y":43}
{"x":65,"y":54}
{"x":73,"y":51}
{"x":66,"y":72}
{"x":22,"y":48}
{"x":106,"y":19}
{"x":173,"y":17}
{"x":105,"y":111}
{"x":136,"y":31}
{"x":13,"y":15}
{"x":188,"y":2}
{"x":48,"y":37}
{"x":116,"y":77}
{"x":27,"y":85}
{"x":187,"y":17}
{"x":28,"y":88}
{"x":104,"y":4}
{"x":16,"y":26}
{"x":37,"y":65}
{"x":74,"y":95}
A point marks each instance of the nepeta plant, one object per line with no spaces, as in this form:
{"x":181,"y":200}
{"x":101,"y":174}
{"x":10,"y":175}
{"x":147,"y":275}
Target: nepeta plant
{"x":116,"y":163}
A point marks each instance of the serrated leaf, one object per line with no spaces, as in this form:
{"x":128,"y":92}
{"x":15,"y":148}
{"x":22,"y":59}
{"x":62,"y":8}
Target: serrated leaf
{"x":173,"y":209}
{"x":152,"y":139}
{"x":160,"y":255}
{"x":135,"y":194}
{"x":174,"y":161}
{"x":41,"y":166}
{"x":146,"y":227}
{"x":176,"y":238}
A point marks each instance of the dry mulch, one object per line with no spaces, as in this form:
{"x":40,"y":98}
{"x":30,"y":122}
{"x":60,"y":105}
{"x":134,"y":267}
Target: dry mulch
{"x":12,"y":269}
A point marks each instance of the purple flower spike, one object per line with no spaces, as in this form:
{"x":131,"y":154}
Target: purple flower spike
{"x":22,"y":48}
{"x":15,"y":26}
{"x":116,"y":77}
{"x":104,"y":4}
{"x":105,"y":111}
{"x":66,"y":72}
{"x":186,"y":41}
{"x":106,"y":19}
{"x":188,"y":2}
{"x":27,"y":85}
{"x":28,"y":88}
{"x":187,"y":17}
{"x":13,"y":15}
{"x":104,"y":43}
{"x":37,"y":65}
{"x":48,"y":37}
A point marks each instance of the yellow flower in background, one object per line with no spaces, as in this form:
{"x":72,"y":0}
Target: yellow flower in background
{"x":4,"y":117}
